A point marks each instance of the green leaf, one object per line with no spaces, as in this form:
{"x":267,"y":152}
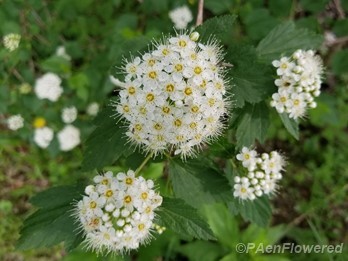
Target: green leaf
{"x":251,"y":80}
{"x":223,"y":224}
{"x":56,"y":64}
{"x":52,"y":223}
{"x":291,"y":125}
{"x":183,"y":219}
{"x":218,"y":7}
{"x":253,"y":125}
{"x":193,"y":251}
{"x":257,"y":211}
{"x":284,"y":40}
{"x":106,"y":143}
{"x":218,"y":26}
{"x":198,"y":184}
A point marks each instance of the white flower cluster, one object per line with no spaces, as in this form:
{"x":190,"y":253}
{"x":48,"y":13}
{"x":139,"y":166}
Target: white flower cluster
{"x":173,"y":96}
{"x":43,"y":137}
{"x":48,"y":87}
{"x":263,"y":174}
{"x":181,"y":16}
{"x":299,"y":80}
{"x":69,"y":138}
{"x":11,"y":41}
{"x":117,"y":213}
{"x":69,"y":114}
{"x":92,"y":109}
{"x":15,"y":122}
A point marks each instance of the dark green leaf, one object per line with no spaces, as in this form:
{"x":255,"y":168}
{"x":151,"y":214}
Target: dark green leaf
{"x":52,"y":223}
{"x":198,"y":183}
{"x":251,"y":79}
{"x":257,"y":211}
{"x":253,"y":125}
{"x":284,"y":40}
{"x":217,"y":26}
{"x":291,"y":125}
{"x":218,"y":7}
{"x":106,"y":143}
{"x":183,"y":219}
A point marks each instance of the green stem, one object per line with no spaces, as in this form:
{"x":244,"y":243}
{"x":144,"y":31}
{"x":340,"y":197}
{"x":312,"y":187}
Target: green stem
{"x":143,"y":164}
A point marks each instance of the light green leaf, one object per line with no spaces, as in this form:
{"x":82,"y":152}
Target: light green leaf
{"x":183,"y":219}
{"x":193,"y":251}
{"x":106,"y":143}
{"x":52,"y":223}
{"x":253,"y":125}
{"x":284,"y":40}
{"x":218,"y":26}
{"x":198,"y":184}
{"x":291,"y":125}
{"x":223,"y":224}
{"x":257,"y":211}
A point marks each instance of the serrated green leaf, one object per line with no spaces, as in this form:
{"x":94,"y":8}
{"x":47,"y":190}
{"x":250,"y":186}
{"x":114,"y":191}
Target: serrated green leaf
{"x":284,"y":40}
{"x":291,"y":125}
{"x":257,"y":211}
{"x":106,"y":143}
{"x":198,"y":184}
{"x":251,"y":80}
{"x":218,"y":26}
{"x":253,"y":125}
{"x":183,"y":219}
{"x":52,"y":223}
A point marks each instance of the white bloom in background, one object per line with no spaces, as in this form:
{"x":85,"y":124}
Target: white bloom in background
{"x":69,"y":114}
{"x":15,"y":122}
{"x":68,"y":138}
{"x":299,"y":80}
{"x":116,"y":214}
{"x":48,"y":87}
{"x":43,"y":137}
{"x":62,"y":53}
{"x":173,"y":96}
{"x":181,"y":16}
{"x":262,"y":179}
{"x":11,"y":41}
{"x":93,"y":109}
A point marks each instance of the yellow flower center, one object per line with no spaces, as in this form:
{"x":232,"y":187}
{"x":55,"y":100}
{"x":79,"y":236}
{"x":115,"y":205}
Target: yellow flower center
{"x":178,"y":67}
{"x":131,"y":90}
{"x":197,"y":70}
{"x":109,"y":193}
{"x":165,"y":51}
{"x":296,"y":102}
{"x":283,"y":99}
{"x":194,"y":108}
{"x":92,"y":204}
{"x":39,"y":122}
{"x":143,"y":110}
{"x":203,"y":84}
{"x":126,"y":108}
{"x":284,"y":66}
{"x":151,"y":62}
{"x":211,"y":102}
{"x":182,"y":43}
{"x":105,"y":181}
{"x":147,"y":210}
{"x":141,"y":227}
{"x":177,"y":122}
{"x":150,"y":97}
{"x":166,"y":109}
{"x":138,"y":127}
{"x":170,"y":88}
{"x":128,"y":199}
{"x":144,"y":195}
{"x":179,"y":137}
{"x":193,"y":125}
{"x":157,"y":126}
{"x":152,"y":75}
{"x":243,"y":190}
{"x":129,"y":181}
{"x":246,"y":156}
{"x":188,"y":91}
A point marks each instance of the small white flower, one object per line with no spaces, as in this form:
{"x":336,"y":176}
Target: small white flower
{"x":69,"y":138}
{"x":69,"y":114}
{"x":15,"y":122}
{"x":243,"y":191}
{"x":43,"y":137}
{"x":11,"y":41}
{"x":62,"y":53}
{"x":48,"y":87}
{"x":93,"y":109}
{"x":181,"y":16}
{"x":248,"y":158}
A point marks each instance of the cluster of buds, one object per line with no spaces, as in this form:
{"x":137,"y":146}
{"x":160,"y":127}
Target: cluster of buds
{"x":117,"y":212}
{"x":298,"y":81}
{"x":262,"y":174}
